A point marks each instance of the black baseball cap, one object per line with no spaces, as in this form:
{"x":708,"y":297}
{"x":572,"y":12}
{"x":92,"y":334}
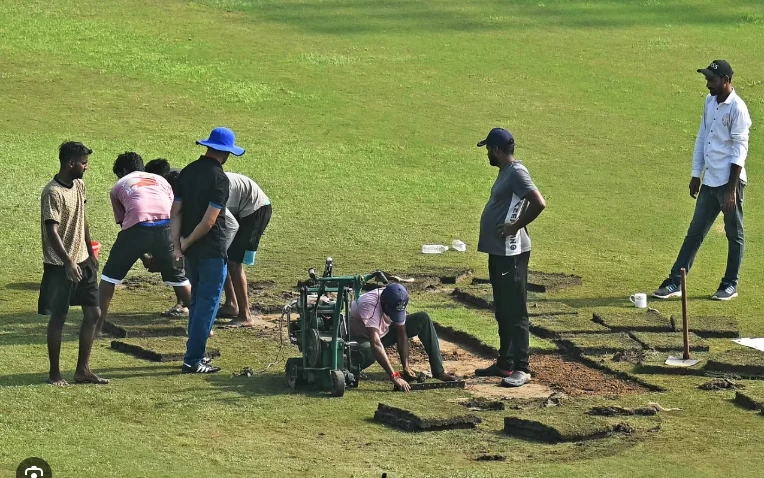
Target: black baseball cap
{"x":718,"y":68}
{"x":497,"y":137}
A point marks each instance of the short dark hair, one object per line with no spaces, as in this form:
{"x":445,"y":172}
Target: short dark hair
{"x":128,"y":160}
{"x":72,"y":150}
{"x":172,"y":178}
{"x":508,"y":148}
{"x":158,"y":166}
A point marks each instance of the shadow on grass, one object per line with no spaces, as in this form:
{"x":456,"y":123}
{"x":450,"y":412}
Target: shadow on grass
{"x":26,"y":379}
{"x":373,"y":16}
{"x":30,"y":286}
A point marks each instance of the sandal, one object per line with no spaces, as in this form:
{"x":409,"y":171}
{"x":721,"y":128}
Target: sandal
{"x":176,"y":311}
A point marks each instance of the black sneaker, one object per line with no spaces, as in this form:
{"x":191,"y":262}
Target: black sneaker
{"x":725,"y":292}
{"x":493,"y":370}
{"x":201,"y":367}
{"x":667,"y":290}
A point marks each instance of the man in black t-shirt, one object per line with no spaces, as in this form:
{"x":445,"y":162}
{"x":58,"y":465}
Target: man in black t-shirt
{"x":198,"y":233}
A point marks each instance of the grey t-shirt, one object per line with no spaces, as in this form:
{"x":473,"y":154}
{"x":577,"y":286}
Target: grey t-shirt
{"x":506,"y":203}
{"x":244,"y":196}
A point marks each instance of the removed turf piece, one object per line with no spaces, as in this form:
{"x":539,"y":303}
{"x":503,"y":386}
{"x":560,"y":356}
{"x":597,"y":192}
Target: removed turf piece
{"x":408,"y":421}
{"x":709,"y":327}
{"x":602,"y":411}
{"x":165,"y":349}
{"x":553,"y":427}
{"x":740,"y":360}
{"x":669,"y":341}
{"x":145,"y":325}
{"x":435,"y":385}
{"x":553,"y":326}
{"x":597,"y":343}
{"x":633,"y":320}
{"x":721,"y":384}
{"x":483,"y":405}
{"x":749,"y":400}
{"x":551,"y":281}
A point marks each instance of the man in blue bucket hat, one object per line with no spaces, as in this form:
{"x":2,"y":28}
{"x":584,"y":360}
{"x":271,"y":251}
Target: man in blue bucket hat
{"x":198,"y":234}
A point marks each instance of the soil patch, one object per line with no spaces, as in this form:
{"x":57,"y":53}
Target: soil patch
{"x":633,"y":321}
{"x":551,"y":372}
{"x":709,"y":327}
{"x":669,"y":341}
{"x":157,"y":350}
{"x":483,"y":405}
{"x":411,"y":422}
{"x":141,"y":282}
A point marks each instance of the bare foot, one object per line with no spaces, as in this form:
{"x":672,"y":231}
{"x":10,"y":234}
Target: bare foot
{"x":58,"y":381}
{"x":212,"y":333}
{"x":445,"y":377}
{"x":89,"y":377}
{"x":227,"y":312}
{"x":238,"y":324}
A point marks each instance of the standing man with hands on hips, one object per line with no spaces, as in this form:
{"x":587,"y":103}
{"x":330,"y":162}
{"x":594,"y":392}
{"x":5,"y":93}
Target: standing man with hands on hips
{"x":514,"y":203}
{"x":720,"y":151}
{"x":197,"y":222}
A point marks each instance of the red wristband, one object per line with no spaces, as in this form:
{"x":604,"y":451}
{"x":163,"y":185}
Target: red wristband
{"x":396,"y":375}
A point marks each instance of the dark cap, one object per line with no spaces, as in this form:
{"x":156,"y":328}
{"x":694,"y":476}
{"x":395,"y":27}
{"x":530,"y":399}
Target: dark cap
{"x":394,"y":300}
{"x":498,"y":137}
{"x":718,"y":68}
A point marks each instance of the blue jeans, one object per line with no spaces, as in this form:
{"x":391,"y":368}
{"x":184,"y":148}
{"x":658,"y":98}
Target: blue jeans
{"x":707,"y":208}
{"x":207,"y":276}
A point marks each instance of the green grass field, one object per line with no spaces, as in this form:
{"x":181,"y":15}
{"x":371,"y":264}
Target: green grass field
{"x":360,"y":119}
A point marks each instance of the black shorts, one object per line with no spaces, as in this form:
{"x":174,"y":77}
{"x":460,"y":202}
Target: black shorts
{"x":251,"y":229}
{"x":57,"y":292}
{"x":135,"y":241}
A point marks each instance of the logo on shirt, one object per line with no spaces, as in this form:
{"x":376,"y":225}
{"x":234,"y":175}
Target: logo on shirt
{"x":726,"y":120}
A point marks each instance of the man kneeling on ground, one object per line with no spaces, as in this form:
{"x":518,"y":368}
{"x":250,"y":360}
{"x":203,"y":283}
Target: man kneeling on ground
{"x":141,"y":203}
{"x":370,"y":319}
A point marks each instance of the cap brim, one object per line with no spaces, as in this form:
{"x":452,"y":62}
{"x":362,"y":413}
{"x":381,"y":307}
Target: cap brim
{"x":235,"y":150}
{"x":707,"y":72}
{"x":398,"y":317}
{"x":482,"y":143}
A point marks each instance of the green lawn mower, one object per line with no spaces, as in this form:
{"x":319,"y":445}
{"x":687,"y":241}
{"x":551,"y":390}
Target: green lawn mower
{"x":321,"y":331}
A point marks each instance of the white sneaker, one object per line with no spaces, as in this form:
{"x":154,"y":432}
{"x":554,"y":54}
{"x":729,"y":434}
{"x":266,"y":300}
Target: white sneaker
{"x":517,"y":379}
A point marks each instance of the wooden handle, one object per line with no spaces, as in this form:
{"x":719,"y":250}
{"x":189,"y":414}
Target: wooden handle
{"x":685,"y":323}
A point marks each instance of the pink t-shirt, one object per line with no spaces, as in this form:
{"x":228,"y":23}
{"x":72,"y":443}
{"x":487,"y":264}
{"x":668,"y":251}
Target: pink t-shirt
{"x":367,"y":312}
{"x":140,"y":197}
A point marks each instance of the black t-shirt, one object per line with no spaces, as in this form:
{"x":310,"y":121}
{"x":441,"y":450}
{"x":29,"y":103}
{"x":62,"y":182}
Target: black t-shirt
{"x":201,"y":184}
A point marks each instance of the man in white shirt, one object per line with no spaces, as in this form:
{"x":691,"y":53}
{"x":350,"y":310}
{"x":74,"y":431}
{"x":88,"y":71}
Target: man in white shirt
{"x":720,"y":152}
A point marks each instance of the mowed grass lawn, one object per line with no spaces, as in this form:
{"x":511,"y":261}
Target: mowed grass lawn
{"x":360,"y":120}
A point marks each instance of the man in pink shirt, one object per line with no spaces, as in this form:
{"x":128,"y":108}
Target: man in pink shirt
{"x":371,"y":318}
{"x":141,"y":203}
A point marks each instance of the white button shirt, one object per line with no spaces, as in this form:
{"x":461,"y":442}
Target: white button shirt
{"x":722,"y":140}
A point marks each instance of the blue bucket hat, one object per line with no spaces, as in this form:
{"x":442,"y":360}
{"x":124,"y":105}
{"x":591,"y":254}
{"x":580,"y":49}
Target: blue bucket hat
{"x":394,"y":300}
{"x":222,"y":139}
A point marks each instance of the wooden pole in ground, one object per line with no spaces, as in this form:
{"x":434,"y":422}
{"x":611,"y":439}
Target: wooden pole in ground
{"x":685,"y":323}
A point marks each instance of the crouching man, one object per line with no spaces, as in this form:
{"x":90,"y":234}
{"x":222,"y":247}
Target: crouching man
{"x":378,"y":319}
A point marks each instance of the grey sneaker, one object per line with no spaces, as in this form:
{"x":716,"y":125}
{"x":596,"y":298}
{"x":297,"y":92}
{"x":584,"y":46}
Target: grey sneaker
{"x":517,"y":379}
{"x":725,"y":292}
{"x":667,"y":290}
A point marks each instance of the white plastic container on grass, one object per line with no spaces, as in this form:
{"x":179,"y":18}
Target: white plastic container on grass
{"x":459,"y":245}
{"x":434,"y":249}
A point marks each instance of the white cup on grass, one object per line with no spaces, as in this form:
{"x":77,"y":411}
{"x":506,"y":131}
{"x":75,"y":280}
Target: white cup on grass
{"x":639,"y":300}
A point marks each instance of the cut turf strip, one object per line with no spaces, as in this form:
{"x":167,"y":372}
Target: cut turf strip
{"x":709,"y":327}
{"x":669,"y":341}
{"x":145,"y":325}
{"x":553,"y":326}
{"x":635,"y":320}
{"x":551,"y":281}
{"x":482,"y":297}
{"x":410,"y":422}
{"x":749,"y":400}
{"x":157,"y":350}
{"x":597,"y":343}
{"x":742,"y":361}
{"x":555,"y":427}
{"x":617,"y":369}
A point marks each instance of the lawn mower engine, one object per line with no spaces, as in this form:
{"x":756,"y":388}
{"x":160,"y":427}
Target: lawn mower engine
{"x":321,"y":331}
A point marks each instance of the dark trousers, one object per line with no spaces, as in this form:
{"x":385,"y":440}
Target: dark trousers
{"x":417,"y":325}
{"x":207,"y":276}
{"x":707,"y":208}
{"x":509,"y":279}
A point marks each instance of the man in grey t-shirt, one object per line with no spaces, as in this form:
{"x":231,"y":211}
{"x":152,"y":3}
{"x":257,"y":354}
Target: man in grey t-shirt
{"x":514,"y":203}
